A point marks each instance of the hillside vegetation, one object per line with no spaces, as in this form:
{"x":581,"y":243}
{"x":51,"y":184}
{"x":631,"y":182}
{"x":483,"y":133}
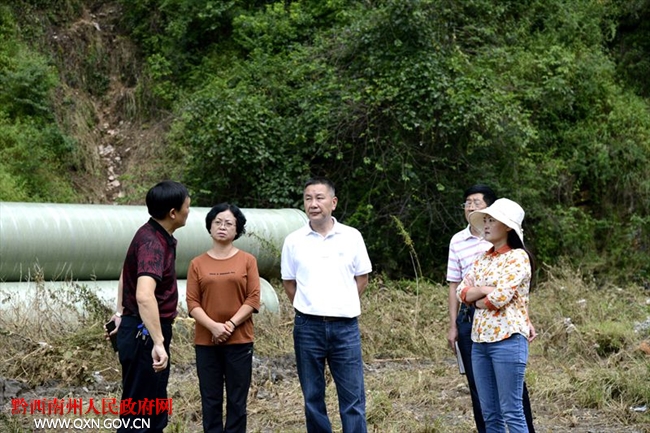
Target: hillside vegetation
{"x":402,"y":103}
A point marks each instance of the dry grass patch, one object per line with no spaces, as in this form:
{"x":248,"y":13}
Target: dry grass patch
{"x":587,"y":372}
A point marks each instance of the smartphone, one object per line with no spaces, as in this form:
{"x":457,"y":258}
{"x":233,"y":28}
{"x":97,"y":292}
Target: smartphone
{"x":110,"y":326}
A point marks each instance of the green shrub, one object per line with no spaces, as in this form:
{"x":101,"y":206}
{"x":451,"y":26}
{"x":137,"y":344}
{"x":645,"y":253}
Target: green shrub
{"x":35,"y":155}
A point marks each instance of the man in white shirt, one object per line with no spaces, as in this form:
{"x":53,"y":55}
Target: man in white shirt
{"x":325,"y":269}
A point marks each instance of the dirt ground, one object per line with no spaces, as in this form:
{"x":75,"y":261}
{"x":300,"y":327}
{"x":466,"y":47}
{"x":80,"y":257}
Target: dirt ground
{"x":275,"y":401}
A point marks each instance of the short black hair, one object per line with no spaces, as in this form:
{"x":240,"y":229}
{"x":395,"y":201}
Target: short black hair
{"x":165,"y":196}
{"x":222,"y":207}
{"x":319,"y":180}
{"x":489,"y":196}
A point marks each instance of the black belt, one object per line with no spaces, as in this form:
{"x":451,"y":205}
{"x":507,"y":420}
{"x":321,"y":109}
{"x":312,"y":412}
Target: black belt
{"x":323,"y":318}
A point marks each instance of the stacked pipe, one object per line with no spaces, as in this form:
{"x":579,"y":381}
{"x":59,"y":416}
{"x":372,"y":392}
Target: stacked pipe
{"x":87,"y":244}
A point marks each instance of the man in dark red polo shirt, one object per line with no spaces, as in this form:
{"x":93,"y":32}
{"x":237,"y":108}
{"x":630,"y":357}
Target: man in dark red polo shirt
{"x":147,"y":301}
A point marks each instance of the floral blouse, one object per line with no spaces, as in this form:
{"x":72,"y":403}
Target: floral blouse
{"x":509,"y":272}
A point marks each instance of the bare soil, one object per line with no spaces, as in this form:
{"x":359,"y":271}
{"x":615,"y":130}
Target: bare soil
{"x":275,"y":401}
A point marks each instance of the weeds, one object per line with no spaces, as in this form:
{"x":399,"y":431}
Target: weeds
{"x":417,"y":269}
{"x":588,"y":367}
{"x":53,"y":335}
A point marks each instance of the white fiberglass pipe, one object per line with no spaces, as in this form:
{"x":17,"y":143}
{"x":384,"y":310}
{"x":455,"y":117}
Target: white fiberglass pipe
{"x":16,"y":294}
{"x":89,"y":242}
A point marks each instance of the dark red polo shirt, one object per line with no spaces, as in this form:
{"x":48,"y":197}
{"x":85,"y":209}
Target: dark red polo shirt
{"x":152,"y":253}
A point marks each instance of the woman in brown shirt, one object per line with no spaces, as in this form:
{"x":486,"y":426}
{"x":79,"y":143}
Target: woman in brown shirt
{"x":223,"y":292}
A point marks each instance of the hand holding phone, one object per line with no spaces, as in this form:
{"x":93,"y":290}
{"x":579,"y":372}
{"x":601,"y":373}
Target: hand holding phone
{"x":110,"y":327}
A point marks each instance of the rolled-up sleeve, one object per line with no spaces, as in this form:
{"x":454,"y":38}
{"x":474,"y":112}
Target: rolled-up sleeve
{"x":461,"y":291}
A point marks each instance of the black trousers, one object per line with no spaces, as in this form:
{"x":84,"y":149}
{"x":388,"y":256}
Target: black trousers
{"x":464,"y":325}
{"x":232,"y":365}
{"x":143,"y":390}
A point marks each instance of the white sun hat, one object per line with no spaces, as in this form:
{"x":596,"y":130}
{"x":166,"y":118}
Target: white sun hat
{"x":503,"y":210}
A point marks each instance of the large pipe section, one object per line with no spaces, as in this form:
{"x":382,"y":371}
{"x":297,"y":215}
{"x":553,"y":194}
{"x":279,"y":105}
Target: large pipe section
{"x":89,"y":242}
{"x":24,"y":293}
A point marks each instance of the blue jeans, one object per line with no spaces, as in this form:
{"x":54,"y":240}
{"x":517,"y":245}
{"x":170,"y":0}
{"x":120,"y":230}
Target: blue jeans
{"x":499,"y":370}
{"x":339,"y":343}
{"x":464,"y":326}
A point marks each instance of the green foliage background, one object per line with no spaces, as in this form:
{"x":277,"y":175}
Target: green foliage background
{"x":403,"y":104}
{"x":35,"y":155}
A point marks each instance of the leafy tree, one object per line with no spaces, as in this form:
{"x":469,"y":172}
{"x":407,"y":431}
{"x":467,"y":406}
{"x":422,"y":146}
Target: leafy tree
{"x":631,"y":45}
{"x":32,"y":149}
{"x":403,"y":104}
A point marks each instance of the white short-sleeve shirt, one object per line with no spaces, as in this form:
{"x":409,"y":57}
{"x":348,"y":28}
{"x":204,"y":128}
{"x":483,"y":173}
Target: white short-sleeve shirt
{"x":324,"y":268}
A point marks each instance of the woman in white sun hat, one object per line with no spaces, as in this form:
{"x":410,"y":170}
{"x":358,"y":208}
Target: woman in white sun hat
{"x":498,"y":286}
